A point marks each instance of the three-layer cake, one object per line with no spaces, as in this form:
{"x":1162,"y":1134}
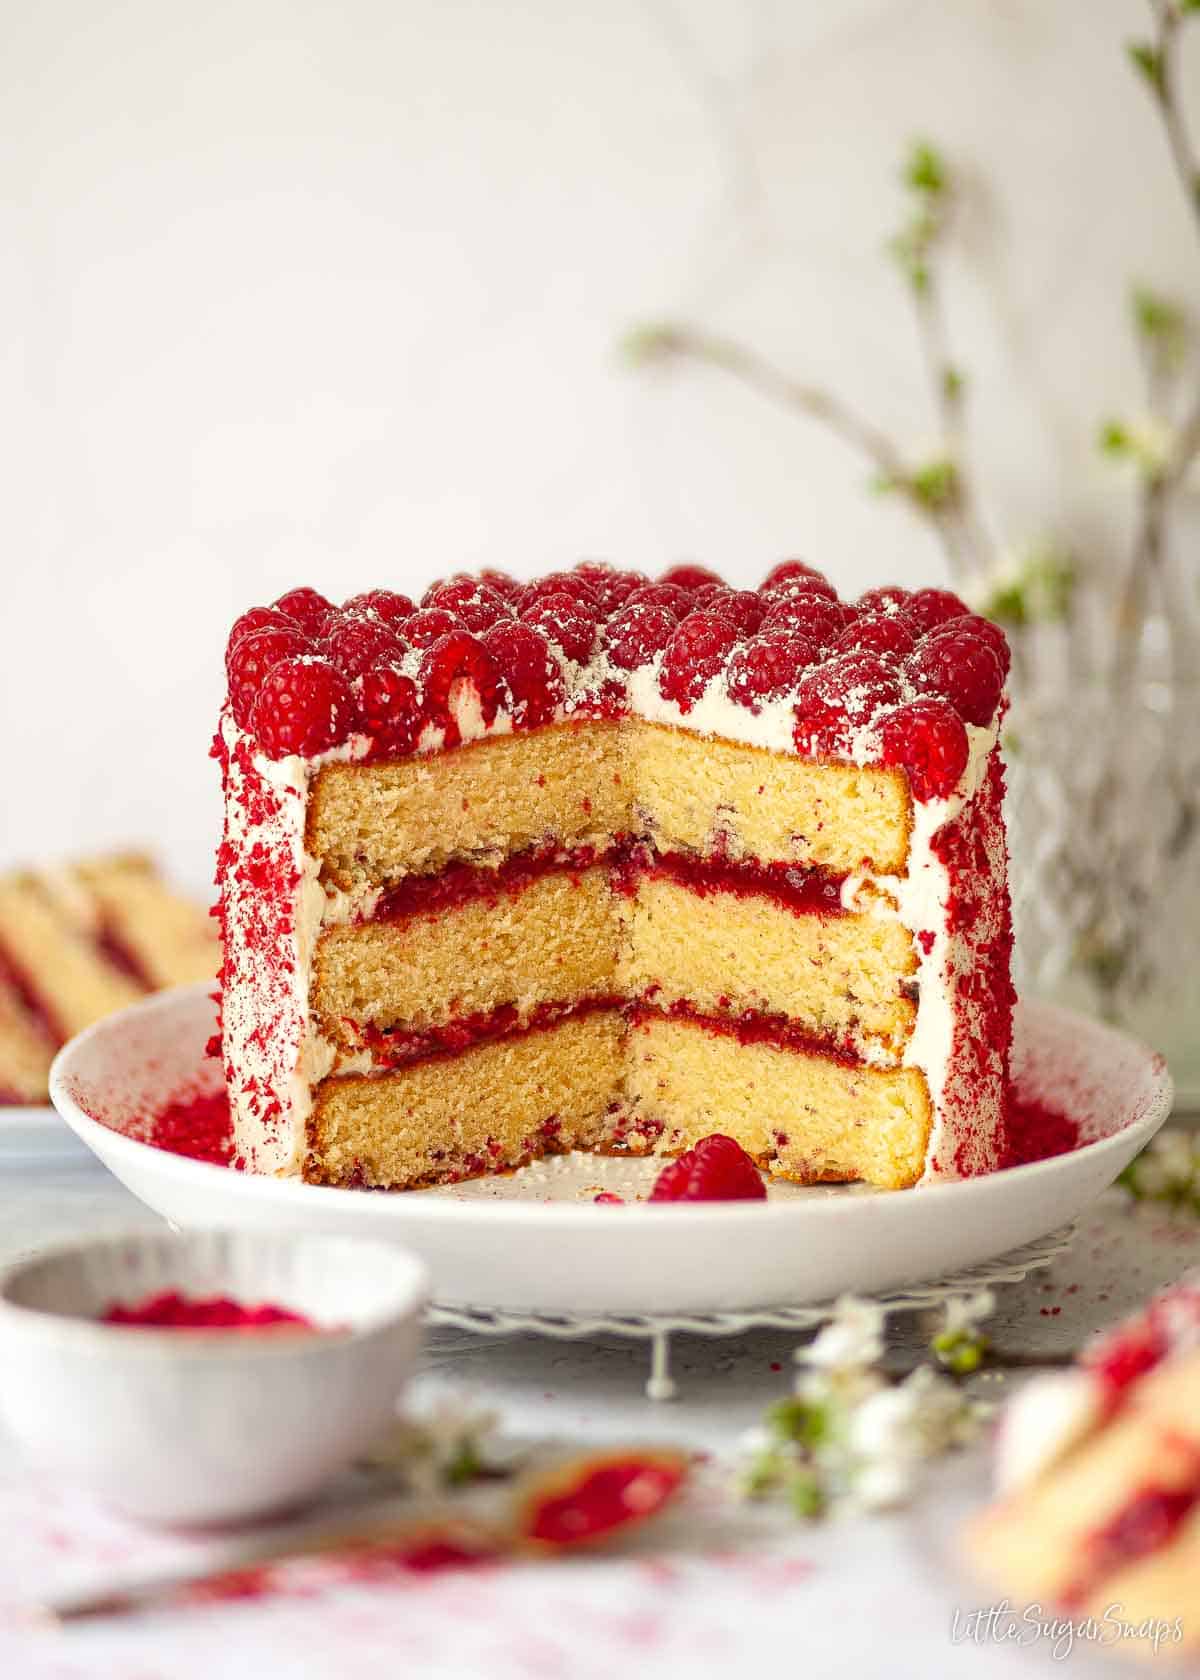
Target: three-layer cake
{"x":594,"y":863}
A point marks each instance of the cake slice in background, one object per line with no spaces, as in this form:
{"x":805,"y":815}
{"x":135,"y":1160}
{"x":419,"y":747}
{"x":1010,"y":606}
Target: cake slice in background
{"x":1098,"y":1473}
{"x":594,"y":863}
{"x":80,"y":940}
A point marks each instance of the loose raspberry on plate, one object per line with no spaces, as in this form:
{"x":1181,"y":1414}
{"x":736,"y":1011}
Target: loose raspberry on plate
{"x":815,"y":616}
{"x":304,"y":706}
{"x":308,"y":607}
{"x":390,"y":710}
{"x":926,"y":608}
{"x":983,"y":629}
{"x":929,"y":740}
{"x":386,"y":604}
{"x":258,"y":618}
{"x":768,"y":667}
{"x":612,"y":587}
{"x":717,"y":1170}
{"x":669,"y":595}
{"x":877,"y":633}
{"x":742,"y":607}
{"x":473,"y":602}
{"x":609,"y":1198}
{"x":962,"y":669}
{"x":250,"y":661}
{"x":841,"y":694}
{"x":1126,"y":1354}
{"x":689,"y":577}
{"x":694,"y":655}
{"x":529,"y":669}
{"x":429,"y":626}
{"x":456,"y":659}
{"x":358,"y":642}
{"x":568,"y":622}
{"x":637,"y":633}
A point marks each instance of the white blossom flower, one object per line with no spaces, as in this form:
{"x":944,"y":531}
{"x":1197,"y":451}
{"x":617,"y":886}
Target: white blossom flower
{"x":853,"y":1338}
{"x":964,"y":1313}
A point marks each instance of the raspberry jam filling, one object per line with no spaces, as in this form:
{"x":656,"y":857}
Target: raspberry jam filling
{"x":751,"y":1027}
{"x":1148,"y":1521}
{"x":461,"y":883}
{"x":393,"y":1047}
{"x":171,"y":1310}
{"x":812,"y":891}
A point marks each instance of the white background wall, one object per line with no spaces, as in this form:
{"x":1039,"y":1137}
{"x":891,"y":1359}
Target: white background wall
{"x":328,"y":292}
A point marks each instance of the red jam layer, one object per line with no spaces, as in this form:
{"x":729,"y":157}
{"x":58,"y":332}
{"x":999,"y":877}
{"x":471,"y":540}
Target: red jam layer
{"x":806,"y":892}
{"x":1145,"y":1523}
{"x":170,"y":1310}
{"x":460,"y":883}
{"x":30,"y":1000}
{"x":399,"y":1046}
{"x":752,"y":1027}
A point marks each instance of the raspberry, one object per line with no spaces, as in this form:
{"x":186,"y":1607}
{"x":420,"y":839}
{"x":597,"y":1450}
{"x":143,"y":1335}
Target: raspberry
{"x":574,"y":584}
{"x":963,"y":670}
{"x":929,"y":740}
{"x":843,"y":693}
{"x":258,"y":618}
{"x":391,"y":712}
{"x":926,"y":608}
{"x":381,"y":603}
{"x":983,"y":629}
{"x":472,"y":602}
{"x":523,"y":656}
{"x":889,"y":600}
{"x":876,"y":633}
{"x":429,"y":625}
{"x":815,"y":616}
{"x":694,"y":655}
{"x":792,"y":574}
{"x":716,"y":1170}
{"x":357,"y":643}
{"x":570,"y":623}
{"x":455,"y":659}
{"x":252,"y":658}
{"x":612,"y":587}
{"x":742,"y":607}
{"x":768,"y":667}
{"x":669,"y":595}
{"x":508,"y":588}
{"x":689,"y":577}
{"x":305,"y":706}
{"x":637,"y":633}
{"x":308,"y":607}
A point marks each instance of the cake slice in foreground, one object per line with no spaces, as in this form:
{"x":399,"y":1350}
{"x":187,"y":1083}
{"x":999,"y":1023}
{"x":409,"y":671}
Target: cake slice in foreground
{"x":594,"y":863}
{"x":1099,"y":1473}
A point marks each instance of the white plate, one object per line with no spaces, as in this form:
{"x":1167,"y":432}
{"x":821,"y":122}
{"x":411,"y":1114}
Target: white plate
{"x":36,"y":1134}
{"x":536,"y":1242}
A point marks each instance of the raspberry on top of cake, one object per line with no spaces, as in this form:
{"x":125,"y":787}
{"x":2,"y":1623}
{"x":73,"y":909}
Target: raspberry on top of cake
{"x":609,"y":863}
{"x":1098,"y":1474}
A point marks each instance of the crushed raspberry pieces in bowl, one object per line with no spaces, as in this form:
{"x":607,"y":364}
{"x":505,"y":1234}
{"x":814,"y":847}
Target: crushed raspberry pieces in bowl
{"x":717,"y":1169}
{"x":170,"y":1310}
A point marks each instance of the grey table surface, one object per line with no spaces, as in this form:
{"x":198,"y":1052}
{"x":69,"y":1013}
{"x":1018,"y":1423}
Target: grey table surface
{"x":715,"y":1589}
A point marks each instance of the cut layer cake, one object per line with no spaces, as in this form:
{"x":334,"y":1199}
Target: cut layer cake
{"x":598,"y":863}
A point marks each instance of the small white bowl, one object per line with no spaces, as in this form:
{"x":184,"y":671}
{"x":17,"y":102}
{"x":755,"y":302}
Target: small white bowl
{"x":190,"y":1427}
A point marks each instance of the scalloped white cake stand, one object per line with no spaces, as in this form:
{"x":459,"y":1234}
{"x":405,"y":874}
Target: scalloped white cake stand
{"x":536,"y":1245}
